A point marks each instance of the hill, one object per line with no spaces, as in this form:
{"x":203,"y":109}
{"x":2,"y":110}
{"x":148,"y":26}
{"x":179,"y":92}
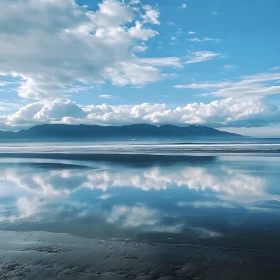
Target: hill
{"x":128,"y":132}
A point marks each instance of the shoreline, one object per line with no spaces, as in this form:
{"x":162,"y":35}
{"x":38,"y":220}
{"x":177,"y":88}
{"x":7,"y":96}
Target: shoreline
{"x":45,"y":255}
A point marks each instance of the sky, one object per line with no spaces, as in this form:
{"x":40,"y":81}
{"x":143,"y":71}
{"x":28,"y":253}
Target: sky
{"x":119,"y":62}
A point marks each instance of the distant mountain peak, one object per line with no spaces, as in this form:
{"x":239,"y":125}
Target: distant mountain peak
{"x":125,"y":132}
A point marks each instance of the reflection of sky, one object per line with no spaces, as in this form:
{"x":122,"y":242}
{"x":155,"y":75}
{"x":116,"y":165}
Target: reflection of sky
{"x":186,"y":202}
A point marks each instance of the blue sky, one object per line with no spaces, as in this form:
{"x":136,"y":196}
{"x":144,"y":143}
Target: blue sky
{"x":214,"y":63}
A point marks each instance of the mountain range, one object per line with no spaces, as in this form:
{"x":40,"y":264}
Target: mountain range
{"x":127,"y":132}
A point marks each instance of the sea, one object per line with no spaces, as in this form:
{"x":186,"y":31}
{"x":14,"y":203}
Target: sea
{"x":210,"y":193}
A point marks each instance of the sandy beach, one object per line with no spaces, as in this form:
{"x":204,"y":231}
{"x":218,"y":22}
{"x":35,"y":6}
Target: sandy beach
{"x":42,"y":255}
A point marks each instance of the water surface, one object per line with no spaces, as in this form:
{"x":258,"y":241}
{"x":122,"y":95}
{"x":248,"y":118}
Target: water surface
{"x":218,"y":200}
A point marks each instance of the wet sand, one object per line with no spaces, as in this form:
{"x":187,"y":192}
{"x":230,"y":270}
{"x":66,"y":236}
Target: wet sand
{"x":41,"y":255}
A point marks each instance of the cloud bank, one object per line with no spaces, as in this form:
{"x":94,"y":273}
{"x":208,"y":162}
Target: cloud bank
{"x":221,"y":113}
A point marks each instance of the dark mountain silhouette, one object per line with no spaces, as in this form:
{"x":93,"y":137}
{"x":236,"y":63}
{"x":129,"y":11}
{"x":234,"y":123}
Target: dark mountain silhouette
{"x":135,"y":131}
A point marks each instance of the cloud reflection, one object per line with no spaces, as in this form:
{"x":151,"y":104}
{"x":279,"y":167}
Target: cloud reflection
{"x":29,"y":191}
{"x":140,"y":216}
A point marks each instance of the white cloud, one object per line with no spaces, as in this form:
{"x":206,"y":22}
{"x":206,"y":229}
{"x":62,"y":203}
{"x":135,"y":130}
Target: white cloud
{"x":253,"y":86}
{"x":204,"y":85}
{"x":50,"y":45}
{"x":59,"y":109}
{"x":191,"y":32}
{"x":162,"y":61}
{"x":106,"y":96}
{"x":141,"y":48}
{"x":151,"y":15}
{"x":43,"y":112}
{"x":229,"y":67}
{"x":211,"y":39}
{"x":171,"y":23}
{"x":275,"y":68}
{"x":183,"y":6}
{"x":77,"y":88}
{"x":135,"y":2}
{"x":179,"y":32}
{"x":7,"y":105}
{"x":139,"y":33}
{"x":201,"y":56}
{"x":5,"y":83}
{"x":227,"y":112}
{"x":112,"y":13}
{"x":205,"y":39}
{"x":195,"y":40}
{"x":105,"y":196}
{"x":129,"y":73}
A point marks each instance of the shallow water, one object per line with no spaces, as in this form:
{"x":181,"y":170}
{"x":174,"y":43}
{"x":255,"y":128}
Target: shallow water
{"x":218,"y":200}
{"x":143,"y":147}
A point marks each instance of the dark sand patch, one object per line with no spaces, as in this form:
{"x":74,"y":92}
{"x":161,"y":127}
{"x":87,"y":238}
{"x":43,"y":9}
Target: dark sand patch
{"x":40,"y":255}
{"x":127,"y":159}
{"x":45,"y":165}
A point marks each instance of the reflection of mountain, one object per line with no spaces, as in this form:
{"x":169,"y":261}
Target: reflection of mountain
{"x":139,"y":158}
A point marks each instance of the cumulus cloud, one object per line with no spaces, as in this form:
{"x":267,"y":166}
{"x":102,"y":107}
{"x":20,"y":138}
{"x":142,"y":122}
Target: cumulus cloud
{"x":151,"y":15}
{"x":134,"y":74}
{"x":140,"y":48}
{"x":52,"y":44}
{"x":227,"y":112}
{"x":43,"y":112}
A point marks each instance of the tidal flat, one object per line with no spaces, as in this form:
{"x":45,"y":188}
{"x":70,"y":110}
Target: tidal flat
{"x":79,"y":213}
{"x":42,"y":255}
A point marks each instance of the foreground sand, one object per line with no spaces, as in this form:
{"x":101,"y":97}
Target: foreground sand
{"x":41,"y":255}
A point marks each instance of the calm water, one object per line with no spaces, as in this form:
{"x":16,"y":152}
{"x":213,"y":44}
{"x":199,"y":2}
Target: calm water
{"x":215,"y":199}
{"x":147,"y":147}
